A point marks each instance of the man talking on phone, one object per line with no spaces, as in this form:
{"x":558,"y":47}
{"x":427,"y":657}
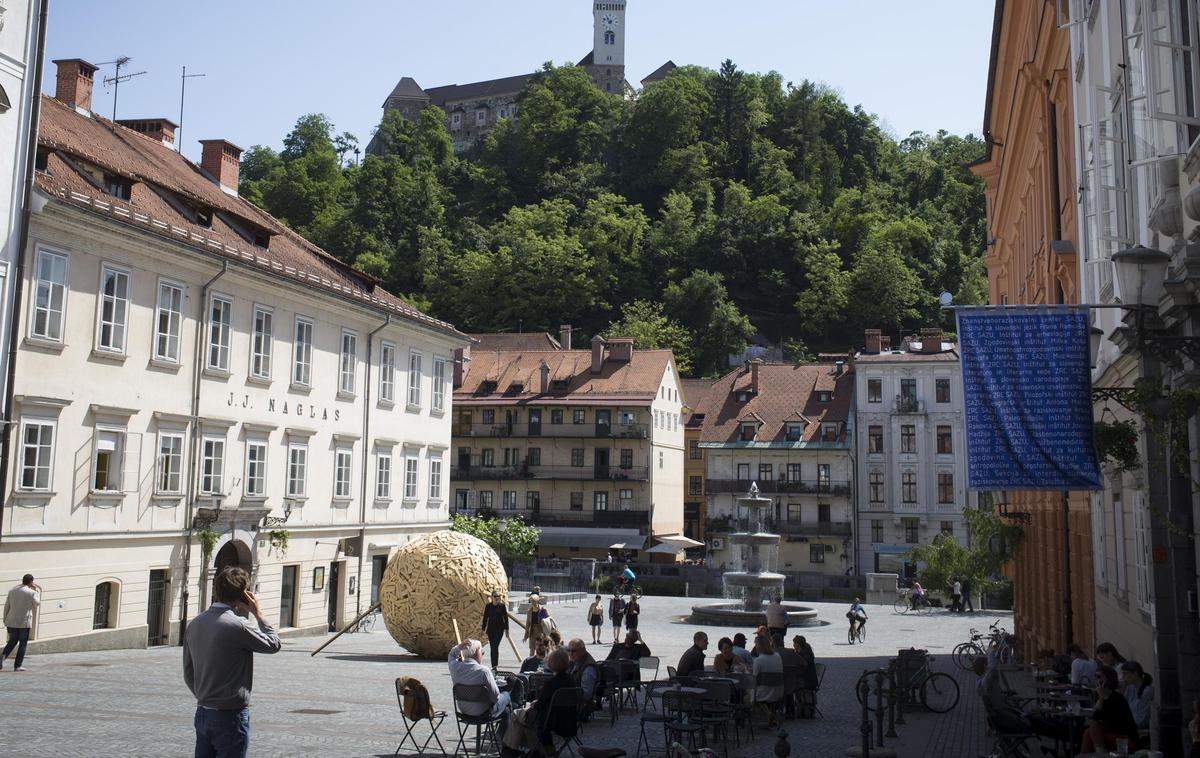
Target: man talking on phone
{"x":218,"y":664}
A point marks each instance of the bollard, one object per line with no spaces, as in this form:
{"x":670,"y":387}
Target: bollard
{"x":891,"y":732}
{"x":901,"y":693}
{"x":865,"y":728}
{"x":879,"y":707}
{"x":685,"y":589}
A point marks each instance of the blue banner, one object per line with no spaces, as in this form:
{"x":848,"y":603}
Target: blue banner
{"x":1027,"y":395}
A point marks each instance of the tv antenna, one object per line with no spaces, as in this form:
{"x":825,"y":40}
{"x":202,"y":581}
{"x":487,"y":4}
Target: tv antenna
{"x":183,"y":77}
{"x":117,"y":77}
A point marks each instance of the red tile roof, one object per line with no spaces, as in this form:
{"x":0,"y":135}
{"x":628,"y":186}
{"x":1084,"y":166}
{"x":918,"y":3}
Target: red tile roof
{"x":516,"y":375}
{"x":164,"y":185}
{"x":786,"y":393}
{"x":515,"y":341}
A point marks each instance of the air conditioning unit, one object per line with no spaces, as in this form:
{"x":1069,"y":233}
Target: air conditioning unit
{"x":716,"y":543}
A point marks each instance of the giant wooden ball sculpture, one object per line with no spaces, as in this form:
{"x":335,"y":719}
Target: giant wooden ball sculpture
{"x":436,"y":578}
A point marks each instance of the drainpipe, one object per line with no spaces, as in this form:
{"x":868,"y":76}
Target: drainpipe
{"x":366,"y":448}
{"x":193,"y":478}
{"x":18,"y":274}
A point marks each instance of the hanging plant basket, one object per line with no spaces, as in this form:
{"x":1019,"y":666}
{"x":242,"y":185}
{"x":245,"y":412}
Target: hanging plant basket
{"x":1117,"y":445}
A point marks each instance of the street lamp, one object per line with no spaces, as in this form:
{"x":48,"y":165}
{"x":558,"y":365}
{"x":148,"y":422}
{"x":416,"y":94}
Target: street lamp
{"x":1140,"y":272}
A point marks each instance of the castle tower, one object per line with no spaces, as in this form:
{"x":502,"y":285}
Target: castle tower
{"x":608,"y":47}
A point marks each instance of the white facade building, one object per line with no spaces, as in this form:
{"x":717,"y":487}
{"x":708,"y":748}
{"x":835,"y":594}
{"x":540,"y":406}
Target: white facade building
{"x":198,"y":386}
{"x":910,"y":449}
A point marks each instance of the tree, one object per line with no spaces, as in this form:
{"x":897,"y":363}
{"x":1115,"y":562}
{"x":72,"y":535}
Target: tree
{"x":993,"y":543}
{"x":883,"y":291}
{"x":702,"y":306}
{"x":512,"y":538}
{"x":651,"y":329}
{"x":823,"y":304}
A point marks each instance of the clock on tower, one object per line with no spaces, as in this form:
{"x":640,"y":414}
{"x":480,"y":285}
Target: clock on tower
{"x":609,"y":45}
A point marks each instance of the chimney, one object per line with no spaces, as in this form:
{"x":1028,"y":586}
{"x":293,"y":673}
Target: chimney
{"x":564,"y":336}
{"x":931,"y":340}
{"x":839,"y":368}
{"x":620,"y":349}
{"x":544,"y":375}
{"x":222,"y":160}
{"x":74,"y":83}
{"x":885,"y":344}
{"x":873,"y":341}
{"x":754,"y":364}
{"x":597,"y":354}
{"x":462,"y":356}
{"x":160,"y":129}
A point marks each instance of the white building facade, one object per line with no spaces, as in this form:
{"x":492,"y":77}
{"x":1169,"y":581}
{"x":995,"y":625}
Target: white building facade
{"x":188,"y":399}
{"x":910,"y":449}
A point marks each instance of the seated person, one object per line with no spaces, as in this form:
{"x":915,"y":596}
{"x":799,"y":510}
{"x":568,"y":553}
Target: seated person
{"x":1139,"y":692}
{"x":466,"y":667}
{"x":587,"y":676}
{"x":767,"y":661}
{"x":531,"y":727}
{"x":726,"y":661}
{"x":1083,"y":668}
{"x":1112,"y":719}
{"x":792,"y":664}
{"x":631,"y":649}
{"x":555,"y":640}
{"x":739,"y":649}
{"x":536,"y":661}
{"x":809,"y":681}
{"x":691,"y":662}
{"x":1003,"y":713}
{"x":917,"y":594}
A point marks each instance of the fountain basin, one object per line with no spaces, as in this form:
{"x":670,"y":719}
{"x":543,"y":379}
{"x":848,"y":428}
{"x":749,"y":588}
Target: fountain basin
{"x":735,"y":614}
{"x":754,"y":579}
{"x":755,"y":538}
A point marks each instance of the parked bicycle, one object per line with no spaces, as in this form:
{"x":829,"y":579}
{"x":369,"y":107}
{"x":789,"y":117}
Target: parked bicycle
{"x":366,"y":623}
{"x":905,"y":602}
{"x":998,"y":641}
{"x":936,"y":691}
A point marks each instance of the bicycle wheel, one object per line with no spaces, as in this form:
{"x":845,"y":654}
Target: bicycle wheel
{"x":965,"y":653}
{"x":850,"y":636}
{"x":862,"y":633}
{"x":901,"y":604}
{"x":367,"y":624}
{"x":924,"y":608}
{"x":866,"y":687}
{"x":939,"y":693}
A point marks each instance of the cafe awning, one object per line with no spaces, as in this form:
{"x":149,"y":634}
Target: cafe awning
{"x":680,"y":541}
{"x":598,"y":538}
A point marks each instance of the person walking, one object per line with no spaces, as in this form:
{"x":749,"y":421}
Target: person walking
{"x":632,"y":610}
{"x":966,"y":595}
{"x":18,"y":617}
{"x":595,"y":618}
{"x":956,"y":597}
{"x":616,"y":612}
{"x":535,"y":622}
{"x":218,"y":664}
{"x":495,"y":623}
{"x":777,"y":617}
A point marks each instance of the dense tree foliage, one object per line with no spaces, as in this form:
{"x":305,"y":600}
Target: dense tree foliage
{"x":717,"y":207}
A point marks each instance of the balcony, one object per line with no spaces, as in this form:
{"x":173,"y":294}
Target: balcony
{"x":616,"y":519}
{"x":778,"y":486}
{"x":574,"y":473}
{"x":727,"y":524}
{"x":908,"y":404}
{"x":587,"y":431}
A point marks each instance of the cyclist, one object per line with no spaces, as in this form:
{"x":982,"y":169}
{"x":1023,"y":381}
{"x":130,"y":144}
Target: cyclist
{"x":917,"y":595}
{"x":858,"y":618}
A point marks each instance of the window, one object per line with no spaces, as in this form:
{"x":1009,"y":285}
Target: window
{"x":948,"y":528}
{"x":104,"y":605}
{"x":486,"y":499}
{"x":114,"y":309}
{"x":410,"y":476}
{"x":945,"y":487}
{"x":1141,"y":552}
{"x":793,"y":472}
{"x":383,"y":476}
{"x":766,"y":472}
{"x":908,"y":438}
{"x":508,"y":500}
{"x":908,"y":483}
{"x":823,"y":477}
{"x":743,"y":472}
{"x":695,"y":485}
{"x":533,"y":500}
{"x":660,"y":459}
{"x":37,"y":453}
{"x":816,"y":553}
{"x":220,"y":316}
{"x":577,"y":501}
{"x":600,"y":501}
{"x":487,"y":457}
{"x":749,"y":431}
{"x":297,"y":476}
{"x":941,"y":388}
{"x":533,"y":456}
{"x":480,"y":117}
{"x":912,"y":530}
{"x":1122,"y":569}
{"x":342,"y":462}
{"x":261,"y":343}
{"x":387,"y":373}
{"x":556,"y":416}
{"x":626,"y":457}
{"x":579,"y":416}
{"x":435,"y":478}
{"x":49,"y":296}
{"x":794,"y":432}
{"x":874,"y":390}
{"x":908,"y":390}
{"x":876,"y":531}
{"x":875,"y":480}
{"x":489,"y":416}
{"x":694,"y":451}
{"x":212,"y":466}
{"x":875,"y":439}
{"x":830,"y":432}
{"x":439,"y":384}
{"x":461,"y":498}
{"x":824,"y":396}
{"x":945,"y":440}
{"x":414,"y":379}
{"x":168,"y":478}
{"x":302,"y":353}
{"x":256,"y":468}
{"x":348,"y":365}
{"x":610,"y":38}
{"x":168,"y":322}
{"x":823,"y":513}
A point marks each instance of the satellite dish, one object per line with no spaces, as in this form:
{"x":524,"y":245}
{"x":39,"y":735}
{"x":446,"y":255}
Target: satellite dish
{"x":946,"y":298}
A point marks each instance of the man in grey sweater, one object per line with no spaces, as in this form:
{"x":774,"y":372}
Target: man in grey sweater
{"x":218,"y":664}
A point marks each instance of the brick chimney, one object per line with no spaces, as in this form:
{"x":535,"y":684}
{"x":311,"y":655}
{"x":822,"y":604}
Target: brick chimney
{"x":620,"y":349}
{"x":160,"y":129}
{"x":754,"y":364}
{"x":564,"y":336}
{"x":74,"y":83}
{"x":222,"y":160}
{"x":543,"y":378}
{"x":873,"y":340}
{"x":931,"y":340}
{"x":597,"y":354}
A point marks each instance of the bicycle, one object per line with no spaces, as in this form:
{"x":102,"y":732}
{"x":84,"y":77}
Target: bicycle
{"x":366,"y":623}
{"x":857,"y":632}
{"x":904,"y":603}
{"x":999,"y":642}
{"x":933,"y":689}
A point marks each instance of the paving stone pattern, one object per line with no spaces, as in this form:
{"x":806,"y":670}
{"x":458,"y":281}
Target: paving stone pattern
{"x":342,"y":702}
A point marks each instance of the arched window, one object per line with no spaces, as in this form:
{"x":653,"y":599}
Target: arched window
{"x":104,"y":609}
{"x":610,"y":38}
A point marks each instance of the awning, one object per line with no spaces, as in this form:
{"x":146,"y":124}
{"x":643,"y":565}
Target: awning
{"x":665,"y":548}
{"x":596,"y":538}
{"x":680,"y":541}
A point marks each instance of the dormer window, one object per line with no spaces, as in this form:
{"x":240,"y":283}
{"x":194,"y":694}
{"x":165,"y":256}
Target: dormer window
{"x":749,"y":431}
{"x":117,"y":186}
{"x":824,"y":396}
{"x":829,"y":432}
{"x":487,"y":386}
{"x":794,"y":432}
{"x":743,"y":397}
{"x":204,"y":217}
{"x":560,"y":385}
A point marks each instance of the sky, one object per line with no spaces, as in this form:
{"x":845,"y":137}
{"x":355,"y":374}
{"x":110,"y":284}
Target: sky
{"x":916,"y":65}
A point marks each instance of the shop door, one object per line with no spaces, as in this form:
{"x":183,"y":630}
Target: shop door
{"x":287,"y":596}
{"x":156,"y":609}
{"x":335,"y":595}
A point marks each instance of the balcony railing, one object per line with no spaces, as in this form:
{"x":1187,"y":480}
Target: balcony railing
{"x":779,"y":486}
{"x":599,"y":431}
{"x":611,"y":519}
{"x":726,"y":524}
{"x":577,"y":473}
{"x":908,"y":404}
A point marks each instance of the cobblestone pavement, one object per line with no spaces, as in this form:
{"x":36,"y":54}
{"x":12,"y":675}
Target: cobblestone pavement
{"x":134,"y":702}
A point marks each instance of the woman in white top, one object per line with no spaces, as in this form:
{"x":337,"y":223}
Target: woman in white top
{"x":1083,"y":668}
{"x":767,"y":661}
{"x":1138,"y":691}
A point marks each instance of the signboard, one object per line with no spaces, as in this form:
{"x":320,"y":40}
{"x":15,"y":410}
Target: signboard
{"x":1028,"y":400}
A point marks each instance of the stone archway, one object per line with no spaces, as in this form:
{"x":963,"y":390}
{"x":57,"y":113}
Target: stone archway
{"x":233,"y":553}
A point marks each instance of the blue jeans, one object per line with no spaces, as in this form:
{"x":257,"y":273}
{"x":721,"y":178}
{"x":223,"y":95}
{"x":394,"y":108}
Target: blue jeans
{"x":222,"y":734}
{"x":503,"y":704}
{"x":18,"y":638}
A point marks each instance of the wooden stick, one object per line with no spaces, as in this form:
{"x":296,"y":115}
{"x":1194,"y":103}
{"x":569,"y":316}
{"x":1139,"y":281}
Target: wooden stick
{"x":514,"y":645}
{"x":369,"y":611}
{"x":457,"y":634}
{"x":516,"y":620}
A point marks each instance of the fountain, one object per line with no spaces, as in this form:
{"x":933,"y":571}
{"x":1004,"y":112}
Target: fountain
{"x":752,"y":581}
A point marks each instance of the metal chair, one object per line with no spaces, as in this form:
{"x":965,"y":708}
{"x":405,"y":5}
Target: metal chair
{"x":1009,"y":744}
{"x":791,"y":683}
{"x":485,"y":724}
{"x":671,"y":672}
{"x":769,"y":679}
{"x":820,"y":678}
{"x":716,"y":709}
{"x":682,"y":710}
{"x":562,"y":722}
{"x":435,"y":719}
